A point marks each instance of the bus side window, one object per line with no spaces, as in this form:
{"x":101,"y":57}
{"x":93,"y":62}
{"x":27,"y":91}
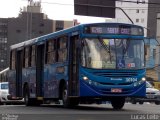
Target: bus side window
{"x":62,"y":49}
{"x":12,"y":66}
{"x":23,"y":65}
{"x":33,"y":55}
{"x":26,"y":59}
{"x":51,"y":51}
{"x":29,"y":56}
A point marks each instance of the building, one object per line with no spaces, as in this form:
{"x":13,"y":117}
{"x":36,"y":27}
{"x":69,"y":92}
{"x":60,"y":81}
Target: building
{"x":153,"y":11}
{"x":147,"y":14}
{"x":29,"y":24}
{"x":3,"y":42}
{"x":137,"y":12}
{"x":142,"y":12}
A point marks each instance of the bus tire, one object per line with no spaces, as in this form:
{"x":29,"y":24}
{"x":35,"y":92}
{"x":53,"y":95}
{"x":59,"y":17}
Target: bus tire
{"x":26,"y":97}
{"x":141,"y":102}
{"x":118,"y":102}
{"x":1,"y":103}
{"x":27,"y":100}
{"x":75,"y":102}
{"x":65,"y":99}
{"x":157,"y":102}
{"x":68,"y":102}
{"x":133,"y":101}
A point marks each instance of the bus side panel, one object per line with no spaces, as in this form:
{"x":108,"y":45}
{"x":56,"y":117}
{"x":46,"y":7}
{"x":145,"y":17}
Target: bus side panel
{"x":29,"y":77}
{"x":52,"y":76}
{"x":50,"y":82}
{"x":12,"y":82}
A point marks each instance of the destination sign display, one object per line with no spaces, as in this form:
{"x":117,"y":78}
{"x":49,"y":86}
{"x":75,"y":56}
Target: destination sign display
{"x":114,"y":30}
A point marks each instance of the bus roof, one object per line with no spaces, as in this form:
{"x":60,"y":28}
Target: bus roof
{"x":61,"y":32}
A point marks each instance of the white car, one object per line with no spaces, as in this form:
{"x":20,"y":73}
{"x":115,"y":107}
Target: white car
{"x":5,"y":97}
{"x":152,"y":95}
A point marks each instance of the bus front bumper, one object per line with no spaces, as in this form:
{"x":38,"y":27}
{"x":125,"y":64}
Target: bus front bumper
{"x":126,"y":91}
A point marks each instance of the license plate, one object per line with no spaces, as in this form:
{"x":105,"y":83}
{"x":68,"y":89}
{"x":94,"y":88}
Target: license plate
{"x":116,"y":90}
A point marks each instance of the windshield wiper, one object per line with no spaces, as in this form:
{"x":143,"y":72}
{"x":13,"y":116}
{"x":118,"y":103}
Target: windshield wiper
{"x":106,"y":48}
{"x":125,"y":48}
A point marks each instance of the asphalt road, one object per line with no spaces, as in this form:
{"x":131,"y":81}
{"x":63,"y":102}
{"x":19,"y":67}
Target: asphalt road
{"x":82,"y":112}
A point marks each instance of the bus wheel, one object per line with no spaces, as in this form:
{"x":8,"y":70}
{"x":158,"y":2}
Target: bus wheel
{"x":157,"y":103}
{"x":26,"y":98}
{"x":28,"y":101}
{"x":68,"y":102}
{"x":118,"y":103}
{"x":1,"y":103}
{"x":141,"y":103}
{"x":133,"y":101}
{"x":65,"y":99}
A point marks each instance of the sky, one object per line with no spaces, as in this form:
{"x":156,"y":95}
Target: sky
{"x":55,"y":9}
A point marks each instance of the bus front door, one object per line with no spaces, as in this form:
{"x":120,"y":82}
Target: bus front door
{"x":39,"y":70}
{"x":19,"y":62}
{"x":73,"y":67}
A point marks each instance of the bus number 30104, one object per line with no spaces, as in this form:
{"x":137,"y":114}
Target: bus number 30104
{"x":131,"y":79}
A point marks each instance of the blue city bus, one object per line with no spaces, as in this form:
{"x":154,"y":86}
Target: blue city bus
{"x":87,"y":63}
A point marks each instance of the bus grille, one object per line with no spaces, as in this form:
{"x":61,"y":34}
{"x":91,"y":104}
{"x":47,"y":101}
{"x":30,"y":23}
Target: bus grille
{"x":116,"y":74}
{"x":103,"y":83}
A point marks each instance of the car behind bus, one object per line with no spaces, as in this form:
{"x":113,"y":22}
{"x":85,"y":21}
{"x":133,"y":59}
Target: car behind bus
{"x":5,"y":96}
{"x":152,"y":95}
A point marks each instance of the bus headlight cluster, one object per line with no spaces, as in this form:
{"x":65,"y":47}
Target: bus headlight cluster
{"x":143,"y":79}
{"x":140,"y":81}
{"x":85,"y":78}
{"x":90,"y":81}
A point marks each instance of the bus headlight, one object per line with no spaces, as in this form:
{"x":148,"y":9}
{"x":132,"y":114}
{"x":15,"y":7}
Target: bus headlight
{"x":143,"y":79}
{"x":90,"y":81}
{"x":85,"y":78}
{"x":140,"y":81}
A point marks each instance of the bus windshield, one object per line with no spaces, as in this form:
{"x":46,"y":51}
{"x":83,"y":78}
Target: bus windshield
{"x":112,"y":53}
